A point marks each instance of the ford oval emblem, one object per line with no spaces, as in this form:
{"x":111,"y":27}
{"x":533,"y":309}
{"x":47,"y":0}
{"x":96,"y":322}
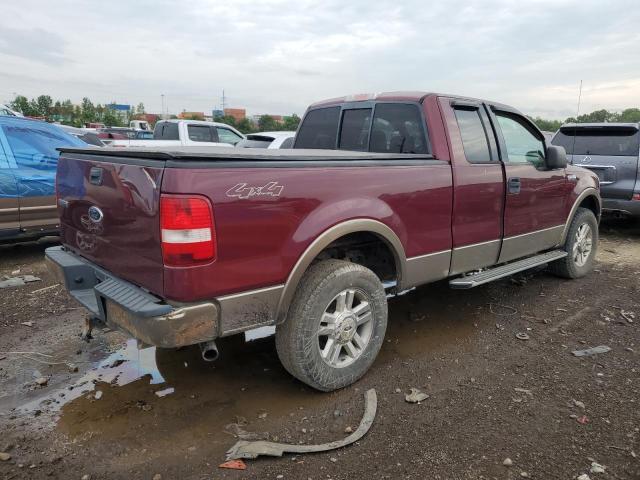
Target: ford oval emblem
{"x":95,"y":214}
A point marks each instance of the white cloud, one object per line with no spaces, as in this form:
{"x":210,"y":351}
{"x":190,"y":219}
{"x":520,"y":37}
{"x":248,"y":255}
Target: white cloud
{"x":278,"y":56}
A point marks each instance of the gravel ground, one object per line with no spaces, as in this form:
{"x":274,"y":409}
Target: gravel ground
{"x":491,"y":397}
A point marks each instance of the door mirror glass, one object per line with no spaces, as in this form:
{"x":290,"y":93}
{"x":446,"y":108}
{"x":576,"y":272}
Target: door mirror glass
{"x":556,"y":157}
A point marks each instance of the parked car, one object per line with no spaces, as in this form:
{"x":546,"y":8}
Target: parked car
{"x":87,"y":136}
{"x":144,"y":135}
{"x":4,"y":110}
{"x":268,"y":140}
{"x":611,"y":151}
{"x":28,"y":159}
{"x":180,"y":247}
{"x":187,"y":133}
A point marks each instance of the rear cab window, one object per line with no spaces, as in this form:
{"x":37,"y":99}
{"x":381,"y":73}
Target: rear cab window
{"x":474,"y":135}
{"x":382,"y":127}
{"x":166,"y":131}
{"x":610,"y":141}
{"x":200,"y":133}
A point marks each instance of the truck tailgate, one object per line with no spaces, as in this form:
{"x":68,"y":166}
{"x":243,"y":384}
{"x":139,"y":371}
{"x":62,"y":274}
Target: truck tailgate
{"x":109,"y":214}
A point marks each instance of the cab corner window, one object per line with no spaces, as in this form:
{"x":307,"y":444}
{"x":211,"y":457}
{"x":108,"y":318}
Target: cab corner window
{"x":227,"y":136}
{"x":199,"y":133}
{"x":523,"y":143}
{"x":474,"y":137}
{"x":397,"y":128}
{"x":354,"y":133}
{"x":319,"y":129}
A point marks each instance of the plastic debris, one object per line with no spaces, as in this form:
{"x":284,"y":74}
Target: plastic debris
{"x":244,"y":449}
{"x":18,"y":281}
{"x":522,"y":336}
{"x":234,"y":465}
{"x":597,"y":468}
{"x":415,"y":396}
{"x":591,"y":351}
{"x":583,"y":420}
{"x":165,"y":392}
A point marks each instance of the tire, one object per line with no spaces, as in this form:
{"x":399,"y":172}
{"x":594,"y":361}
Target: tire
{"x":576,"y":264}
{"x":352,"y":337}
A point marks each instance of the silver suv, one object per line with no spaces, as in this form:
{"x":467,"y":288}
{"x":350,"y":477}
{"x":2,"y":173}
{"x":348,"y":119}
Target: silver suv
{"x":611,"y":151}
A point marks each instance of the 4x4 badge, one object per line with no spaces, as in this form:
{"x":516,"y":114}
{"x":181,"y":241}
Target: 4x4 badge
{"x":242,"y":190}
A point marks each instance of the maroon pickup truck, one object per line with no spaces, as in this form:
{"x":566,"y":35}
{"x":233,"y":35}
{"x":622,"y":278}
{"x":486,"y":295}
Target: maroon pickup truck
{"x":379,"y":194}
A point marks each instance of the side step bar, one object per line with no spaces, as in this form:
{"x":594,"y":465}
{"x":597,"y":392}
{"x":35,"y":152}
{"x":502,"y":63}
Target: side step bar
{"x":486,"y":276}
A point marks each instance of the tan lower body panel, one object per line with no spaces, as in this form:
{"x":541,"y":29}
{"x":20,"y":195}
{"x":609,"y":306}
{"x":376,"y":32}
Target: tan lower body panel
{"x":529,"y":243}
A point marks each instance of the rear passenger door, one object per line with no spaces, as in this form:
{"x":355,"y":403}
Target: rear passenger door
{"x":9,"y":205}
{"x":536,"y":198}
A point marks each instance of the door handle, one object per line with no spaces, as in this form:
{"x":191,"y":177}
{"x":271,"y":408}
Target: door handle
{"x":513,"y":185}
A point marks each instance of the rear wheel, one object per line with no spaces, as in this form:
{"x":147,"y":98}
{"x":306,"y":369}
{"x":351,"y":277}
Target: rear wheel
{"x":335,"y":325}
{"x":581,"y":246}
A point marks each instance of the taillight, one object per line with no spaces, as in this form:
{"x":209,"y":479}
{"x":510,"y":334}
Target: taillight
{"x":636,"y":196}
{"x":187,"y":230}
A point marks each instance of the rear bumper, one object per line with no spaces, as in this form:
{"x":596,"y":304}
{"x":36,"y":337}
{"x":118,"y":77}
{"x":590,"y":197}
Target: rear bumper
{"x":629,"y":207}
{"x":127,"y":307}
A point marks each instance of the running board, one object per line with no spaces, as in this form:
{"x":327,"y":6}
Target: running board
{"x":486,"y":276}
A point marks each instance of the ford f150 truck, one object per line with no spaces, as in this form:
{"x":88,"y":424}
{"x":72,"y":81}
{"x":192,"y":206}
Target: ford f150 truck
{"x":379,"y":194}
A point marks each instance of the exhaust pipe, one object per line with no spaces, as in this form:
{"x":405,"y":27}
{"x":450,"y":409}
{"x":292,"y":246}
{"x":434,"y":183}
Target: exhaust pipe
{"x":209,"y":351}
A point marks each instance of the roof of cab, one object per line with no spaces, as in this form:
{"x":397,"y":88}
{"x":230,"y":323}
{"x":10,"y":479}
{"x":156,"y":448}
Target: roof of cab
{"x":634,"y":126}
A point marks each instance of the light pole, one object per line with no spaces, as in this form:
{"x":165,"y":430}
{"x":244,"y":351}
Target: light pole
{"x":163,"y":116}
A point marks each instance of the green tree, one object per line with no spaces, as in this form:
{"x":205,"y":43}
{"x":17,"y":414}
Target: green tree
{"x":267,"y":123}
{"x":45,"y":106}
{"x":246,"y":126}
{"x":546,"y":125}
{"x":291,"y":122}
{"x":88,"y":110}
{"x":22,"y":105}
{"x":228,"y":119}
{"x":140,"y":109}
{"x":630,"y":115}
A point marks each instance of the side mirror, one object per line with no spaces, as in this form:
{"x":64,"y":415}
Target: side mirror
{"x":556,"y":157}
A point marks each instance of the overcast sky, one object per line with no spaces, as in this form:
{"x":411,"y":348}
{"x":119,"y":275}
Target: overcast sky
{"x":277,"y":56}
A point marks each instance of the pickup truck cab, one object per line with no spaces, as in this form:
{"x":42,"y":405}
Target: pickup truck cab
{"x":380,"y":194}
{"x":187,"y":133}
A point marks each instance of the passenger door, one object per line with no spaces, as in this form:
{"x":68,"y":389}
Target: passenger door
{"x":535,"y":198}
{"x":228,"y":136}
{"x":9,"y":205}
{"x":32,"y":150}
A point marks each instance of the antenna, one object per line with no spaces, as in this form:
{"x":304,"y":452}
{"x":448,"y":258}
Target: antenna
{"x":575,"y":129}
{"x":224,"y":101}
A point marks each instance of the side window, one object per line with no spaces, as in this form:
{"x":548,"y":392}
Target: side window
{"x":199,"y":133}
{"x":34,"y":146}
{"x":523,"y":143}
{"x":319,"y":129}
{"x":354,"y":133}
{"x":474,"y":135}
{"x":166,"y":131}
{"x":227,"y":136}
{"x":397,"y":128}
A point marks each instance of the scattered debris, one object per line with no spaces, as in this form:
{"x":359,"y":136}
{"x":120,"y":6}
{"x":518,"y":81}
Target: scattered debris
{"x":509,"y":310}
{"x":165,"y":392}
{"x":97,"y":395}
{"x":578,"y":404}
{"x":597,"y":468}
{"x":591,"y":351}
{"x":42,"y":381}
{"x":262,"y":415}
{"x":507,"y":462}
{"x":584,"y":476}
{"x":237,"y":431}
{"x":18,"y":281}
{"x":524,"y":474}
{"x":522,"y":336}
{"x":40,"y":290}
{"x":27,"y":324}
{"x":348,"y":430}
{"x":86,"y":477}
{"x":4,"y":457}
{"x":243,"y":449}
{"x":583,"y":420}
{"x":333,"y":459}
{"x":116,"y":363}
{"x":157,"y":476}
{"x":73,"y":368}
{"x":524,"y":390}
{"x":397,"y":390}
{"x":415,"y":396}
{"x":234,"y":465}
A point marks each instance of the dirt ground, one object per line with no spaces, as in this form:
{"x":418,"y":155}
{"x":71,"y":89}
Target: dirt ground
{"x":492,"y":396}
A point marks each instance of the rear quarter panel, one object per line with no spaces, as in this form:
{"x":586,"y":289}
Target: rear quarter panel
{"x":261,"y":237}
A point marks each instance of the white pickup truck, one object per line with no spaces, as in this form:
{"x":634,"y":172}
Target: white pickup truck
{"x":186,"y":133}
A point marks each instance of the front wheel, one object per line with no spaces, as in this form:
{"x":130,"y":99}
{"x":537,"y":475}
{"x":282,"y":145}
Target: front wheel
{"x":335,"y":325}
{"x":581,"y":246}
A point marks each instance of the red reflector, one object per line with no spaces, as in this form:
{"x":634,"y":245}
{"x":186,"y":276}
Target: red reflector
{"x":187,"y":230}
{"x":636,"y":196}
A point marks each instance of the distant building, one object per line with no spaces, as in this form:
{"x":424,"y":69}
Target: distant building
{"x":152,"y":118}
{"x":120,"y":109}
{"x":192,"y":115}
{"x":237,"y":113}
{"x":217,"y":113}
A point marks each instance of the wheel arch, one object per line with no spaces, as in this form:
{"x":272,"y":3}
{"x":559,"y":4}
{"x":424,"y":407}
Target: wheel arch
{"x":324,"y":240}
{"x":588,"y":198}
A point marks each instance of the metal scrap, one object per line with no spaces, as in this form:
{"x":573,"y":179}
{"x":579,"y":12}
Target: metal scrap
{"x":244,"y":449}
{"x":591,"y":351}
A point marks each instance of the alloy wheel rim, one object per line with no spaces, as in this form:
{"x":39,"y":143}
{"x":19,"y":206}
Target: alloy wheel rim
{"x":345,"y":329}
{"x":583,"y":245}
